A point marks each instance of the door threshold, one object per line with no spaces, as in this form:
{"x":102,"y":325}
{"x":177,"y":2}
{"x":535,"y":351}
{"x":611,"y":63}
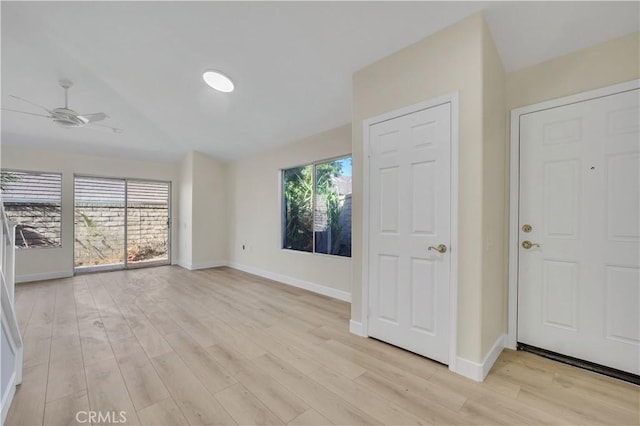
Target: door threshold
{"x":151,"y":263}
{"x":580,"y":363}
{"x":111,"y":268}
{"x":79,"y":270}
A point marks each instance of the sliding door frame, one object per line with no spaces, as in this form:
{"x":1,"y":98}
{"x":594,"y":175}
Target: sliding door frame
{"x":125,"y":264}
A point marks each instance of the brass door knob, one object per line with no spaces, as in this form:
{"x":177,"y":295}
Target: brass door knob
{"x":440,"y":249}
{"x":528,"y":244}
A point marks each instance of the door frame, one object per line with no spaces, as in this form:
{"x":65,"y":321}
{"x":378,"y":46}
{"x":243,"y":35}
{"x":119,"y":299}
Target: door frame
{"x":451,"y":98}
{"x":511,"y":340}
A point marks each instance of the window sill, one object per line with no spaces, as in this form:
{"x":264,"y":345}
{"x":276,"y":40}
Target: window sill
{"x":309,"y":253}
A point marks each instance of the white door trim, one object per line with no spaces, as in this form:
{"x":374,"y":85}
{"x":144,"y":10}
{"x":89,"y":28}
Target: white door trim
{"x":514,"y":188}
{"x":451,"y":98}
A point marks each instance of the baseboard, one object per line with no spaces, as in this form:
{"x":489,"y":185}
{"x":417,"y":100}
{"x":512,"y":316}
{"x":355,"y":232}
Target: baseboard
{"x":295,"y":282}
{"x":478,"y":371}
{"x":356,"y":328}
{"x":43,"y":276}
{"x":202,"y":265}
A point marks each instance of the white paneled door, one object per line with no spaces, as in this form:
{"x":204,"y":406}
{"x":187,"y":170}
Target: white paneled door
{"x":578,"y":280}
{"x":410,"y":211}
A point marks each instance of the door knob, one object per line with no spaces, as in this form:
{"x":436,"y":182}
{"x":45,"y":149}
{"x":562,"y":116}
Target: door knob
{"x":526,"y":244}
{"x":440,"y":249}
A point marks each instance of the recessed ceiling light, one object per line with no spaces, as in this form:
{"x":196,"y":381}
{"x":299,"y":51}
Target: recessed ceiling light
{"x":217,"y":80}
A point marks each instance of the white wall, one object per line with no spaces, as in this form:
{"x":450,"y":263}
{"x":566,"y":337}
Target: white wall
{"x":36,"y":264}
{"x":255,"y":216}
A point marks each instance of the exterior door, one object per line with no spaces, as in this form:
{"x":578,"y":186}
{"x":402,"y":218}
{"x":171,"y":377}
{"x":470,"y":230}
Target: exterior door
{"x":410,"y":211}
{"x":578,"y":282}
{"x":121,"y":223}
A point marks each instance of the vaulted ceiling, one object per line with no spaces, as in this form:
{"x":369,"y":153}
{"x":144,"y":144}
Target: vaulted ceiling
{"x":292,"y":63}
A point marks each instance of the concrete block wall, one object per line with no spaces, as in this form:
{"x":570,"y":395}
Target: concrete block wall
{"x":99,"y":233}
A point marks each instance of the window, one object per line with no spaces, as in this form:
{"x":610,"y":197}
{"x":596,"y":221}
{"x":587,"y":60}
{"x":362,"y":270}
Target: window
{"x":317,"y":207}
{"x":33,"y":201}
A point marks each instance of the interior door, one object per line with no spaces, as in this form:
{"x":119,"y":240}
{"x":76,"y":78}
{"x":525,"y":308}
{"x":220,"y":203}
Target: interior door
{"x":410,"y":230}
{"x":578,"y":283}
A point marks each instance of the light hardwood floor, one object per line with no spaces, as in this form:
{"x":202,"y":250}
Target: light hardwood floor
{"x":171,"y":347}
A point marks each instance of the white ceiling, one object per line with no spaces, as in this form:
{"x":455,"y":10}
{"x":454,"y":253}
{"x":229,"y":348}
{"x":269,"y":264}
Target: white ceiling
{"x":292,"y":62}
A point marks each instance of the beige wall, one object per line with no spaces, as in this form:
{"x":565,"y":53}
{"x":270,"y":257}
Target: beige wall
{"x":448,"y":61}
{"x":186,"y":212}
{"x":42,"y":263}
{"x":255,"y":215}
{"x":494,"y":196}
{"x":203,"y":211}
{"x":602,"y":65}
{"x":463,"y":57}
{"x":210,"y":205}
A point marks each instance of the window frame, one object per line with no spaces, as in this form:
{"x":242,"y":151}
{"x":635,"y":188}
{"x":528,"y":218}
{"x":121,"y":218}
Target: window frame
{"x":39,"y":172}
{"x":283,"y":206}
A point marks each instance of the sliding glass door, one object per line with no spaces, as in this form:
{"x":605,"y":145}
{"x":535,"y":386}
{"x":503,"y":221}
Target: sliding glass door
{"x":99,"y":206}
{"x":147,"y":223}
{"x":120,"y":223}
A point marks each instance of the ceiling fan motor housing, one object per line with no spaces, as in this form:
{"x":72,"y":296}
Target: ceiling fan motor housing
{"x":67,"y":118}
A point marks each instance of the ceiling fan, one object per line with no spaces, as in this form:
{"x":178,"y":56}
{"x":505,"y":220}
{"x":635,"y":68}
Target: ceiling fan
{"x":66,"y":117}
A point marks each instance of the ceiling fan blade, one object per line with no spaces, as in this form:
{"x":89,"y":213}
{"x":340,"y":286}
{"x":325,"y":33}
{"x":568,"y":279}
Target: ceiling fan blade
{"x":92,"y":118}
{"x":114,"y":129}
{"x":25,"y":112}
{"x":29,"y":102}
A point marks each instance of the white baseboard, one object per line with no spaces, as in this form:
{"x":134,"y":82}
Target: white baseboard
{"x":295,"y":282}
{"x":43,"y":276}
{"x":478,"y":371}
{"x":356,"y":328}
{"x":202,"y":265}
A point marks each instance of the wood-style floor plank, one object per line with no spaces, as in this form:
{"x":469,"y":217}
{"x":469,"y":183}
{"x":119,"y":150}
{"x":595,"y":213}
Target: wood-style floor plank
{"x":310,"y":418}
{"x":28,"y":403}
{"x":284,"y":403}
{"x":359,"y":396}
{"x":219,"y":346}
{"x":162,"y":413}
{"x":70,"y":410}
{"x":196,"y":403}
{"x":245,"y":408}
{"x":324,"y":401}
{"x":107,"y":391}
